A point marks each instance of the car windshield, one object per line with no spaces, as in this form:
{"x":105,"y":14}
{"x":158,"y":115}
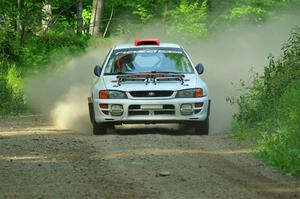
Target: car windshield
{"x":146,"y":61}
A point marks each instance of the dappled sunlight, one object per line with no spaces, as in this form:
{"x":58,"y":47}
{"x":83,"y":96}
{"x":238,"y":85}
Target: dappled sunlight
{"x":33,"y":131}
{"x":27,"y":158}
{"x":274,"y":188}
{"x":163,"y":152}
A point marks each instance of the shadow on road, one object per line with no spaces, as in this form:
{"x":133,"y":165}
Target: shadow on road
{"x":171,"y":129}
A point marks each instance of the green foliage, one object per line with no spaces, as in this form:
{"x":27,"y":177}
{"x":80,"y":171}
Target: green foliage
{"x":189,"y":20}
{"x":247,"y":13}
{"x":143,"y":13}
{"x":17,"y":61}
{"x":9,"y":47}
{"x":26,"y":46}
{"x":282,"y":147}
{"x":53,"y":40}
{"x":86,"y":16}
{"x":4,"y":93}
{"x":255,"y":10}
{"x":11,"y":93}
{"x":14,"y":82}
{"x":270,"y":109}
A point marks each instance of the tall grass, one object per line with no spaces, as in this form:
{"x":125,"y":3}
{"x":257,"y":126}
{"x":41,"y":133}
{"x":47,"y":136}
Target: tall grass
{"x":269,"y":111}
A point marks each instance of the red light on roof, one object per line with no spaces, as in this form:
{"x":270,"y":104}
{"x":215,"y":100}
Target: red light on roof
{"x":146,"y":41}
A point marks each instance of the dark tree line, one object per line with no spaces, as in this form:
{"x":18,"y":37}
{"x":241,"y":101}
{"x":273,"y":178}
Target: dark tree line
{"x":99,"y":17}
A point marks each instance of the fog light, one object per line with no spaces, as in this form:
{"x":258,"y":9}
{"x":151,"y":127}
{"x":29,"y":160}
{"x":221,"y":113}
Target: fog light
{"x":197,"y":111}
{"x":186,"y":109}
{"x":199,"y":104}
{"x":105,"y":112}
{"x":104,"y":106}
{"x":116,"y":110}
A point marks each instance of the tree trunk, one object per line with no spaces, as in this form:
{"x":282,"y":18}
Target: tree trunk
{"x":79,"y":17}
{"x":109,"y":21}
{"x":164,"y":19}
{"x":47,"y":17}
{"x":165,"y":10}
{"x":17,"y":24}
{"x":20,"y":24}
{"x":95,"y":23}
{"x":22,"y":33}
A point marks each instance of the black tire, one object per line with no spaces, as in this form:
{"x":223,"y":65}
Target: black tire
{"x":91,"y":112}
{"x":99,"y":129}
{"x":202,"y":127}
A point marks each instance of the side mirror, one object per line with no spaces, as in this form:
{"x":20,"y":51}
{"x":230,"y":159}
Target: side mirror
{"x":199,"y":68}
{"x":97,"y":70}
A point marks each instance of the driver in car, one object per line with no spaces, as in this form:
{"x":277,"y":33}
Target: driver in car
{"x":124,"y":63}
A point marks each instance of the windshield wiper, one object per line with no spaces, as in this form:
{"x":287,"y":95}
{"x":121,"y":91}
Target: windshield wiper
{"x":143,"y":73}
{"x":166,"y":72}
{"x":119,"y":73}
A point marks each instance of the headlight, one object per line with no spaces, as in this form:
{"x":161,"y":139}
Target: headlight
{"x":109,"y":94}
{"x":190,"y":93}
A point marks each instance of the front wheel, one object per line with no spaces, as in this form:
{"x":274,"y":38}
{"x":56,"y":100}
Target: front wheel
{"x":202,"y":127}
{"x":99,"y":129}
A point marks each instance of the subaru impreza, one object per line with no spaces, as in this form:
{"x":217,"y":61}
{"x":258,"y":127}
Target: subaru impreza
{"x":149,"y":82}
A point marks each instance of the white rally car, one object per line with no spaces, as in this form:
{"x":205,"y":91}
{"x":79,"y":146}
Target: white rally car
{"x":149,"y":82}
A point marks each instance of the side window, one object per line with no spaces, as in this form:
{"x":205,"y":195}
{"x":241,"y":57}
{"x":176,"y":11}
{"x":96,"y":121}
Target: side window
{"x":109,"y":68}
{"x":106,"y":58}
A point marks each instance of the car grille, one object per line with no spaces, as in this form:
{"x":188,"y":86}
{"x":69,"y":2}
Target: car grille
{"x":135,"y":110}
{"x":150,"y":94}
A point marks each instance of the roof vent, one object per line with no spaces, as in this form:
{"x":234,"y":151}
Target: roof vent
{"x":147,"y":41}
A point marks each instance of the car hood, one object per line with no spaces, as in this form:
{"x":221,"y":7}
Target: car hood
{"x":191,"y":81}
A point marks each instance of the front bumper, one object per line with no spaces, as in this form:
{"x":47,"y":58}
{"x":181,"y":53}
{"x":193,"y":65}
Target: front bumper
{"x":103,"y":115}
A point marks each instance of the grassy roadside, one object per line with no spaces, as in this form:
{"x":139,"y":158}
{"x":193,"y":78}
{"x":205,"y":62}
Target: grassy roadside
{"x":269,"y":110}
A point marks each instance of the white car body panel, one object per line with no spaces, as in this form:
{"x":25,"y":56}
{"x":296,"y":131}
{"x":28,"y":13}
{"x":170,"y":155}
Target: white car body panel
{"x":109,"y":82}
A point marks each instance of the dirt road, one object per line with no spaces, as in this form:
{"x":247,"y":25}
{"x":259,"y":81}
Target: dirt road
{"x":39,"y":161}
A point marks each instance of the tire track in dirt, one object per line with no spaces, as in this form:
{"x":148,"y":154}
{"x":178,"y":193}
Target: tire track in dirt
{"x":255,"y":182}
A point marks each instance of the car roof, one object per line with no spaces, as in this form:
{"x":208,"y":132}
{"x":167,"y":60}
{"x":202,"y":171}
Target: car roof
{"x":162,"y":45}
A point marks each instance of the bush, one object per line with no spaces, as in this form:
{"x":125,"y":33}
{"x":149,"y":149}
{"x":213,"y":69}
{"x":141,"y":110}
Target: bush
{"x":189,"y":20}
{"x":247,"y":13}
{"x":52,"y":40}
{"x":281,"y":148}
{"x":11,"y":95}
{"x":257,"y":11}
{"x":270,"y":109}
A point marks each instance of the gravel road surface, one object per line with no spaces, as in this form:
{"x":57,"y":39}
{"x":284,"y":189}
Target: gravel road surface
{"x":38,"y":160}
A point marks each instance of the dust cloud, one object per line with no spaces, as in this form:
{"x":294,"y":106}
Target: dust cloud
{"x":228,"y":57}
{"x":62,"y":94}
